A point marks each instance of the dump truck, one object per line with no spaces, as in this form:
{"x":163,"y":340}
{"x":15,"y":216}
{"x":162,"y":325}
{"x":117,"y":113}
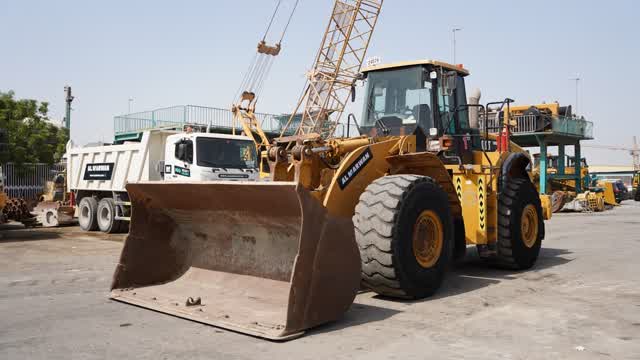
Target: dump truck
{"x":97,"y":176}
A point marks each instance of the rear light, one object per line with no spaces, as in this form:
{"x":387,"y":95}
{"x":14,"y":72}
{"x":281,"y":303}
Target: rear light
{"x":446,"y":143}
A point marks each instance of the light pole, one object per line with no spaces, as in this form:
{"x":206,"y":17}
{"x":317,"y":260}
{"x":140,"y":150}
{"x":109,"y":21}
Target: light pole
{"x":130,"y":101}
{"x":577,"y":80}
{"x":454,"y":31}
{"x":68,"y":100}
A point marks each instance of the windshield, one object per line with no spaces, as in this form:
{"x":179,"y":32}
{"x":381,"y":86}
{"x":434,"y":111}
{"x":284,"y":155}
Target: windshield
{"x":398,"y":97}
{"x":226,"y":153}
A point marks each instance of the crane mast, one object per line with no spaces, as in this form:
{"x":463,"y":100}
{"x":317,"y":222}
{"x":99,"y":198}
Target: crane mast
{"x":634,"y":151}
{"x":336,"y":68}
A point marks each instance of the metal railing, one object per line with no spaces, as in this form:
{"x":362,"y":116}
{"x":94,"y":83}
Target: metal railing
{"x":527,"y":124}
{"x":28,"y":181}
{"x":179,"y":116}
{"x":572,"y":126}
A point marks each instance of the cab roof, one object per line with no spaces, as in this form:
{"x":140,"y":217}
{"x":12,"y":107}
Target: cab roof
{"x":458,"y":68}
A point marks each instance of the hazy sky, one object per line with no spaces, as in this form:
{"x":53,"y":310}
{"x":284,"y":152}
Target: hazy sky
{"x":163,"y":53}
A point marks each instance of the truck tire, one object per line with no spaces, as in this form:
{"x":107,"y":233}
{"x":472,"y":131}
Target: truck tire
{"x":404,"y":230}
{"x":88,"y":213}
{"x":106,"y":216}
{"x":124,"y":227}
{"x":520,"y":225}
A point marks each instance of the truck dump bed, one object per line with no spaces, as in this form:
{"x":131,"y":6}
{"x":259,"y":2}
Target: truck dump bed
{"x":111,"y":167}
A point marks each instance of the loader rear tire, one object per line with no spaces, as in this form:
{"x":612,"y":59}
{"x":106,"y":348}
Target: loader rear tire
{"x":88,"y":213}
{"x":460,"y":245}
{"x":404,"y":230}
{"x":520,"y":225}
{"x":106,"y":216}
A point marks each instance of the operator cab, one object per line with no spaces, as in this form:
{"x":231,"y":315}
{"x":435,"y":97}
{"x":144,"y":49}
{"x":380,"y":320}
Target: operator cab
{"x":425,"y":97}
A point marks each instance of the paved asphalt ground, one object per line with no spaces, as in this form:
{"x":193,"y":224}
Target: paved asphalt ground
{"x":582,"y":301}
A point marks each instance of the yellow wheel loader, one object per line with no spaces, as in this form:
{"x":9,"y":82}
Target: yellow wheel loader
{"x":388,"y":210}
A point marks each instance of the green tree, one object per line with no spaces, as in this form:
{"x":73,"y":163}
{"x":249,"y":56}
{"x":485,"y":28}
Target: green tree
{"x":29,"y":136}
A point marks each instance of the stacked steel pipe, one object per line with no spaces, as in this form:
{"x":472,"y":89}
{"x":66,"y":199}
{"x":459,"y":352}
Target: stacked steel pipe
{"x":16,"y":209}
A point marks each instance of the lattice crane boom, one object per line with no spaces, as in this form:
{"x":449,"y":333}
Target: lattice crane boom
{"x":337,"y":67}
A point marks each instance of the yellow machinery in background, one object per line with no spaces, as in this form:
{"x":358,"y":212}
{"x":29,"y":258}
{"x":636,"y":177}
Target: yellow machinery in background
{"x":538,"y":118}
{"x":387,"y":210}
{"x":609,"y":193}
{"x":563,"y":191}
{"x":636,"y":185}
{"x":54,"y":207}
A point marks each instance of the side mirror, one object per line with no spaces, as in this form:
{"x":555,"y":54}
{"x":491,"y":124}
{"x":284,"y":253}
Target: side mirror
{"x":179,"y":152}
{"x":353,"y":93}
{"x":184,"y":151}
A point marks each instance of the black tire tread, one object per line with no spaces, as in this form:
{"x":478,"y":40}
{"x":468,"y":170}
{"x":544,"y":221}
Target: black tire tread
{"x":116,"y":224}
{"x":504,"y":253}
{"x":93,"y":207}
{"x":377,"y":210}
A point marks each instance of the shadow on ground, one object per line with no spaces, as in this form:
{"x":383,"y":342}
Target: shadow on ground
{"x":358,"y":314}
{"x":473,"y":274}
{"x":470,"y":275}
{"x":22,"y":234}
{"x":17,"y":233}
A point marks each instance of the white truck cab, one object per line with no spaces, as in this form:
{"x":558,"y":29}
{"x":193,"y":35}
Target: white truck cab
{"x":210,"y":157}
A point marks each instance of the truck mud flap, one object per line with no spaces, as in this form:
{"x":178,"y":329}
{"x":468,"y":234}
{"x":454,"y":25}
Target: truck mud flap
{"x":265,"y":259}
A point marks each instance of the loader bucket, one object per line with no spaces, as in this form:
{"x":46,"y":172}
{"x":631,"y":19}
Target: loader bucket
{"x":265,"y":259}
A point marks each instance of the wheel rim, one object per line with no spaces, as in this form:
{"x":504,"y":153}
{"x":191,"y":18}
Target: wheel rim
{"x":529,"y":226}
{"x":105,"y":215}
{"x":50,"y":218}
{"x":428,"y":238}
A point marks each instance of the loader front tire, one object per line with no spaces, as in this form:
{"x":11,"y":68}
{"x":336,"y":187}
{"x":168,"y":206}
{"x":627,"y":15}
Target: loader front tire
{"x":405,"y":233}
{"x":88,"y":213}
{"x":520,"y":225}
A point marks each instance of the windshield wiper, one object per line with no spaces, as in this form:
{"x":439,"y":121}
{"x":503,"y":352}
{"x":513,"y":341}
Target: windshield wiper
{"x":233,"y":166}
{"x":210,"y":163}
